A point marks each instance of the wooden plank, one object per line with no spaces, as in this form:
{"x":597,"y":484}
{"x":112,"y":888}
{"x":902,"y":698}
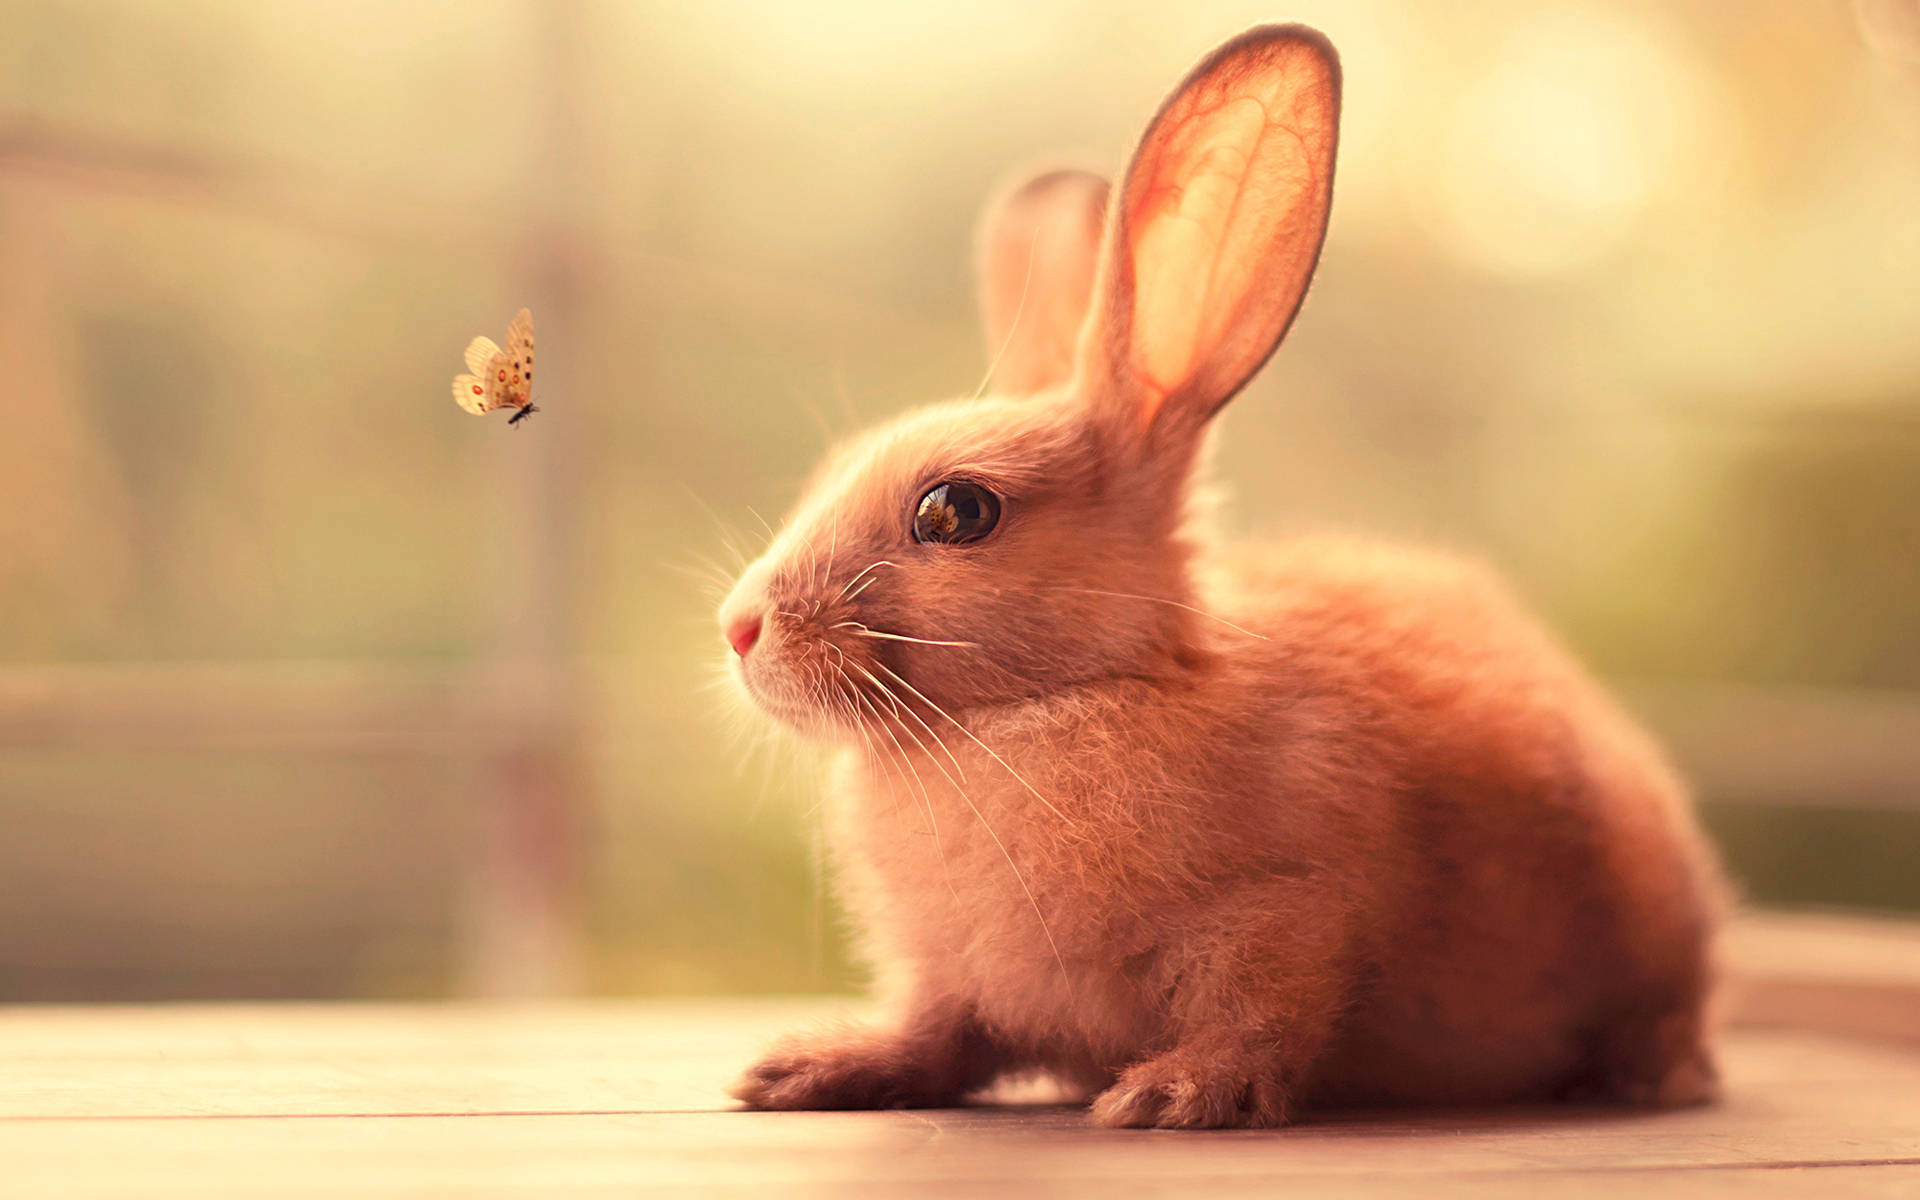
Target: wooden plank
{"x":319,"y":1059}
{"x":1800,"y":1109}
{"x":316,"y":1058}
{"x":602,"y":1097}
{"x":618,"y":1097}
{"x":834,"y":1154}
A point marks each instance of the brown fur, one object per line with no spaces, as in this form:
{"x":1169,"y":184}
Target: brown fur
{"x":1209,"y":831}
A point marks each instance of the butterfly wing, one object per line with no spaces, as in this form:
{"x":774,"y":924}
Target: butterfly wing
{"x":472,"y":395}
{"x":480,"y":352}
{"x":520,"y":360}
{"x":499,"y":378}
{"x":520,"y":337}
{"x":486,"y":389}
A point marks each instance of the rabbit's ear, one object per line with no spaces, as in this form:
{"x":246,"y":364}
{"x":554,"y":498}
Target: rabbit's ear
{"x":1216,"y":231}
{"x":1038,"y":245}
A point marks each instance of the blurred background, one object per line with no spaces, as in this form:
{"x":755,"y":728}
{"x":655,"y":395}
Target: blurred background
{"x":313,"y":685}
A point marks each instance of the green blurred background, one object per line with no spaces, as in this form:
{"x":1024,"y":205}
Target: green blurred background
{"x":310,"y":684}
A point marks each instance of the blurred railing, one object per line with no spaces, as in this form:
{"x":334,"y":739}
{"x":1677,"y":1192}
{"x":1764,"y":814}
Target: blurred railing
{"x":1803,"y":747}
{"x":515,"y":712}
{"x":503,"y":853}
{"x":519,"y":912}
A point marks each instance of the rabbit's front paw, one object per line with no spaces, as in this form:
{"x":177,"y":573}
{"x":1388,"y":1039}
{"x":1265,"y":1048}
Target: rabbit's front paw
{"x":1179,"y":1090}
{"x":838,"y":1072}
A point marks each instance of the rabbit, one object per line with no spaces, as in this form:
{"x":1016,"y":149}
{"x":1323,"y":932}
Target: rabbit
{"x":1209,"y":834}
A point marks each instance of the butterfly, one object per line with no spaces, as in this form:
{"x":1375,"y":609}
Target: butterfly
{"x":501,"y":378}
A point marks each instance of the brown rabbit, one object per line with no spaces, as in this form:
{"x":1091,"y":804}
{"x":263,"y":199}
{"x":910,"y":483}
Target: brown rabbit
{"x":1213,"y":831}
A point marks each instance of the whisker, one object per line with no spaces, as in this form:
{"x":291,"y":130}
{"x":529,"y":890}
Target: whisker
{"x":899,"y":708}
{"x":854,"y":594}
{"x":871,"y":566}
{"x":819,"y":418}
{"x":712,"y":586}
{"x":863,"y":631}
{"x":1163,"y":600}
{"x":833,"y":545}
{"x":900,"y":752}
{"x":976,"y":741}
{"x":1039,"y":915}
{"x":906,"y":760}
{"x":874,"y":749}
{"x":727,"y":532}
{"x":933,"y":820}
{"x":701,"y":568}
{"x":1019,"y":311}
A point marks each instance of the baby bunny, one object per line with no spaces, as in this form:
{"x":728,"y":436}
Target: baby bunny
{"x":1209,"y":832}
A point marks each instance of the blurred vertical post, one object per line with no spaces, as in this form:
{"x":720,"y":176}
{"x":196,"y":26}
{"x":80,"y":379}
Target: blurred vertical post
{"x":526,"y":903}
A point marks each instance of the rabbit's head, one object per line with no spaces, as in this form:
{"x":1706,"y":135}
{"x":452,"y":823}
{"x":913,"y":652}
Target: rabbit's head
{"x":980,"y":551}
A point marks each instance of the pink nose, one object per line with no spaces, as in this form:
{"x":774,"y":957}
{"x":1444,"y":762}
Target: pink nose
{"x":742,"y":634}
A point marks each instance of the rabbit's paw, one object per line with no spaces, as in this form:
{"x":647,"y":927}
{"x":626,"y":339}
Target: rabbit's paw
{"x":1181,"y":1091}
{"x":838,"y":1072}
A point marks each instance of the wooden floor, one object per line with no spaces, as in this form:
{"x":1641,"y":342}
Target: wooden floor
{"x":624,"y":1098}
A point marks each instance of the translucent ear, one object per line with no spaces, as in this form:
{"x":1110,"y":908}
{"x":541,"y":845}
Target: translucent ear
{"x":1038,"y":245}
{"x":1219,"y":224}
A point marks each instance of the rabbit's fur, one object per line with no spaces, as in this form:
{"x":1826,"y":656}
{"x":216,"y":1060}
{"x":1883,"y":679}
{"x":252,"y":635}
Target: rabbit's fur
{"x":1208,"y":831}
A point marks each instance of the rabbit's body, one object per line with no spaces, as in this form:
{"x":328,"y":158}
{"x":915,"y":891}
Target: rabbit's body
{"x":1413,"y":781}
{"x":1214,"y":830}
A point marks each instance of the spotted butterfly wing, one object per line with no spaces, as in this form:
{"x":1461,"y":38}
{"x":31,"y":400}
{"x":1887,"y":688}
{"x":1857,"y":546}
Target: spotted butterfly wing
{"x":484,"y":390}
{"x":520,"y":358}
{"x":499,"y":378}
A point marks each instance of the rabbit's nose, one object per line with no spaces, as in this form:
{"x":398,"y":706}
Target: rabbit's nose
{"x":743,"y":614}
{"x":743,"y":633}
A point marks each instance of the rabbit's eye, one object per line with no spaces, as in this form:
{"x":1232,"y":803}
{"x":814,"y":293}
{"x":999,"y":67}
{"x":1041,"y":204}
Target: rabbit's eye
{"x":956,"y":512}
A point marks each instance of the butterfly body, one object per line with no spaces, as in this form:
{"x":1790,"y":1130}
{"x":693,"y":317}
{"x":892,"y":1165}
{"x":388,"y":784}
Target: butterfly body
{"x":500,"y":378}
